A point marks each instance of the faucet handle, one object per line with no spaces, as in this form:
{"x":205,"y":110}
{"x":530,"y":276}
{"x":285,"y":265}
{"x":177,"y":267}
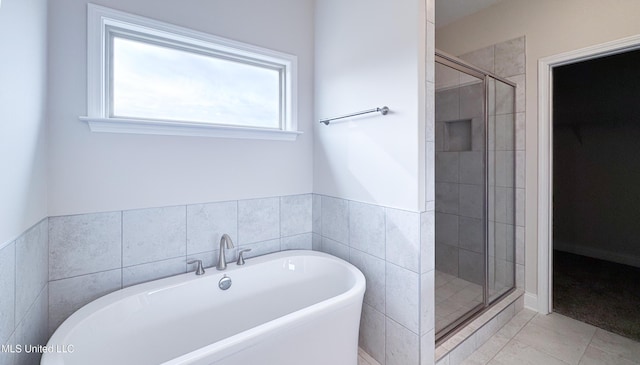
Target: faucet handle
{"x":199,"y":269}
{"x":241,"y":257}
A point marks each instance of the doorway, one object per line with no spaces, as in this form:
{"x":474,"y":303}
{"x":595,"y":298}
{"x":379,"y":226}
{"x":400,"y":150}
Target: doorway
{"x":596,"y":185}
{"x":574,"y":123}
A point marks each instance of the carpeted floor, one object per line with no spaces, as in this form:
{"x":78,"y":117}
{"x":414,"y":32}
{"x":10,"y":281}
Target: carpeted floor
{"x":601,"y":293}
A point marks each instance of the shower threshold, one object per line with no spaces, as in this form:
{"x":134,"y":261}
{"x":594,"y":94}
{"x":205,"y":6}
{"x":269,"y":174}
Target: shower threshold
{"x":474,"y":332}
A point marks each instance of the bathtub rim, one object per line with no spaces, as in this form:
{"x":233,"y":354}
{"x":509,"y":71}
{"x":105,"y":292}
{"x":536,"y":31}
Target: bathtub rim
{"x":225,"y":346}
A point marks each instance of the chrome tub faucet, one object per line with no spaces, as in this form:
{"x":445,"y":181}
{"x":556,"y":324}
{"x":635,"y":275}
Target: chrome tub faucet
{"x":241,"y":257}
{"x":199,"y":269}
{"x":225,"y":242}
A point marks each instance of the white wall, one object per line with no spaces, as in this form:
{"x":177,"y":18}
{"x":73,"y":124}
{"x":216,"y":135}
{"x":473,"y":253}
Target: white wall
{"x":93,"y":172}
{"x":551,"y":27}
{"x":23,"y":73}
{"x":370,"y":54}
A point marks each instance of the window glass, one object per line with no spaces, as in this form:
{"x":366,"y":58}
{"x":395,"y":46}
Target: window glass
{"x":162,"y":82}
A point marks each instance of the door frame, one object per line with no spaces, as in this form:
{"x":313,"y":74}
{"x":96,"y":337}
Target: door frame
{"x":461,"y":66}
{"x":545,"y":154}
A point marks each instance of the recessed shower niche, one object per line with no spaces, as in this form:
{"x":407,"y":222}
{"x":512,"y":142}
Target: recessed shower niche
{"x":457,"y":135}
{"x":475,"y":196}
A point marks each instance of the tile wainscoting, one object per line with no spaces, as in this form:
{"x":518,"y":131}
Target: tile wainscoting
{"x":66,"y":262}
{"x":24,"y":294}
{"x":94,"y":254}
{"x":394,"y":250}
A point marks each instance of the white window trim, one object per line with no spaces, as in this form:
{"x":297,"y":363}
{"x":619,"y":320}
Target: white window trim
{"x":100,"y":20}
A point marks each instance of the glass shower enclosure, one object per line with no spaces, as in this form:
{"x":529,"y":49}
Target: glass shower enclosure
{"x":475,"y":191}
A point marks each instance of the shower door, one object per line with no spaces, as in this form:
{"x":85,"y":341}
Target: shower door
{"x":460,"y":194}
{"x":474,"y":204}
{"x":501,"y":184}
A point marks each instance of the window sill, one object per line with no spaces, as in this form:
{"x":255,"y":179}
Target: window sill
{"x":166,"y":128}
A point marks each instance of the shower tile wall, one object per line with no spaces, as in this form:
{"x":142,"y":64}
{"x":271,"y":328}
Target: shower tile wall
{"x":24,"y":293}
{"x":390,"y":247}
{"x":459,"y":176}
{"x":507,"y":59}
{"x":501,"y":188}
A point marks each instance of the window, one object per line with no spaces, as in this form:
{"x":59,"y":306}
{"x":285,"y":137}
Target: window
{"x":145,"y":76}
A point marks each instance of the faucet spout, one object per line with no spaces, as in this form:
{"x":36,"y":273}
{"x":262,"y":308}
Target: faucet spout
{"x":225,"y":242}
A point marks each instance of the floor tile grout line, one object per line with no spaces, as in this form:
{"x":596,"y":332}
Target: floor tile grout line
{"x":543,"y":350}
{"x":528,"y":323}
{"x":587,"y":347}
{"x":611,"y":352}
{"x":512,"y":338}
{"x":501,"y":348}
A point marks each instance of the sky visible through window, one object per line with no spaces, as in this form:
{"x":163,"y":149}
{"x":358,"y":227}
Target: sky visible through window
{"x":156,"y":82}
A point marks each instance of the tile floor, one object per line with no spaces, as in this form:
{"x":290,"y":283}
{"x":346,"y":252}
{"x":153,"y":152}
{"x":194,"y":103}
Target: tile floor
{"x":535,"y":339}
{"x":454,"y":297}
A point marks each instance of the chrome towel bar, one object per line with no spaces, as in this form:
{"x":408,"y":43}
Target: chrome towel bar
{"x":384,"y":110}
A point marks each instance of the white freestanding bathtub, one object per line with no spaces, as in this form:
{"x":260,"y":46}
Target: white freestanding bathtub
{"x":286,"y":308}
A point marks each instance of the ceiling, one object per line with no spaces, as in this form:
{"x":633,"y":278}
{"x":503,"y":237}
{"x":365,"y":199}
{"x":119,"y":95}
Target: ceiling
{"x":448,"y":11}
